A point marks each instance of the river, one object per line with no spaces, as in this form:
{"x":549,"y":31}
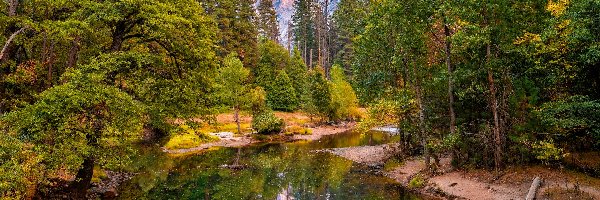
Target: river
{"x":270,"y":171}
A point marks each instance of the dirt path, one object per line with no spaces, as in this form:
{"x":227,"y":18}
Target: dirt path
{"x":460,"y":185}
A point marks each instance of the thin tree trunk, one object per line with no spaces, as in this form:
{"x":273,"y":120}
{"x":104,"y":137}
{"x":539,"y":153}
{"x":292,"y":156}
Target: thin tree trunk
{"x":422,"y":123}
{"x":12,"y":7}
{"x":310,"y":60}
{"x":450,"y":83}
{"x":73,"y":52}
{"x":52,"y":57}
{"x":493,"y":99}
{"x":4,"y":53}
{"x":83,"y":179}
{"x":237,"y":119}
{"x":494,"y":106}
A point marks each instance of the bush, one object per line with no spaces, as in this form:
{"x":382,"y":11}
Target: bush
{"x":416,"y":182}
{"x":267,"y":123}
{"x":573,"y":120}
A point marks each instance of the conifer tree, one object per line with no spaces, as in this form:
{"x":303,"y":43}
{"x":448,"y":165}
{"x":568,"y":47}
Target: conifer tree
{"x":267,"y":20}
{"x":283,"y":96}
{"x":304,"y":29}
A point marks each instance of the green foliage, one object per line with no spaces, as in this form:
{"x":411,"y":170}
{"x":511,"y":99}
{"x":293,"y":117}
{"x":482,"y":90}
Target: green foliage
{"x":273,"y":57}
{"x":184,"y":137}
{"x":73,"y":122}
{"x":234,"y":86}
{"x":267,"y":123}
{"x":416,"y":182}
{"x":297,"y":71}
{"x":343,"y":99}
{"x":282,"y":95}
{"x":572,"y":118}
{"x":259,"y":100}
{"x":237,"y":30}
{"x":401,"y":109}
{"x":319,"y":103}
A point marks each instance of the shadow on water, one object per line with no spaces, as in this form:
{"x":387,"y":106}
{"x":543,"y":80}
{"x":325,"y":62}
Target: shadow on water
{"x":271,"y":171}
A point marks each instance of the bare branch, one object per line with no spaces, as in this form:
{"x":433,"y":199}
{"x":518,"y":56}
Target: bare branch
{"x":10,"y":39}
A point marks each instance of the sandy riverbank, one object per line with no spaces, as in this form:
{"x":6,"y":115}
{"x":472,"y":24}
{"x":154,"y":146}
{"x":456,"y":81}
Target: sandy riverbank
{"x":511,"y":183}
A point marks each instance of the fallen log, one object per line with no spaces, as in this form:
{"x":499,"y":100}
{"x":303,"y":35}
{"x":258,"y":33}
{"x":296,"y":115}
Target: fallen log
{"x":533,"y":189}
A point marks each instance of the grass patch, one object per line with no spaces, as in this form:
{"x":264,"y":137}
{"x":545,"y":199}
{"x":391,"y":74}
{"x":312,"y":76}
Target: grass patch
{"x":188,"y":140}
{"x":184,"y":137}
{"x":298,"y":130}
{"x":392,"y":164}
{"x":416,"y":182}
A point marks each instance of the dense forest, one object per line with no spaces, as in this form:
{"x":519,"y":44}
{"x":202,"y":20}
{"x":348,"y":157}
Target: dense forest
{"x":489,"y":84}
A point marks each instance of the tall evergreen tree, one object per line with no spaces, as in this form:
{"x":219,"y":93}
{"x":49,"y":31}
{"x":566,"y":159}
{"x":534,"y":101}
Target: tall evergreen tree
{"x":267,"y":20}
{"x":304,"y":30}
{"x":237,"y":30}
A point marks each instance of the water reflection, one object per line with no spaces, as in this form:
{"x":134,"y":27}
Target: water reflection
{"x":266,"y":171}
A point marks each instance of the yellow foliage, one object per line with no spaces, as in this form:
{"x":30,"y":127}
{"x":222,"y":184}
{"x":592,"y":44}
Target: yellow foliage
{"x":527,"y":38}
{"x":557,"y":8}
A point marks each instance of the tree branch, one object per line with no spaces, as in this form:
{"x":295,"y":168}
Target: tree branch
{"x":10,"y":39}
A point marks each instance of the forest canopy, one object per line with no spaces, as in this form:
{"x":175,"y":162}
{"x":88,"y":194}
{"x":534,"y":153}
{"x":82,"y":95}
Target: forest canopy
{"x":82,"y":82}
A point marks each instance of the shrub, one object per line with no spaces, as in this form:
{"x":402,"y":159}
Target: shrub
{"x":575,"y":119}
{"x":546,"y":151}
{"x":267,"y":123}
{"x":416,"y":182}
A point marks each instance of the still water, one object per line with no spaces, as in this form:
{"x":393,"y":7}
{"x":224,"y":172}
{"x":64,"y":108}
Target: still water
{"x":271,"y":171}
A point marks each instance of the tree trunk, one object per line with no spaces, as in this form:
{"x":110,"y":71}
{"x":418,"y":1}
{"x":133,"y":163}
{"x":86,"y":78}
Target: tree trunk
{"x":450,"y":83}
{"x":12,"y":7}
{"x":118,"y":35}
{"x":237,"y":119}
{"x":83,"y":179}
{"x":494,"y":106}
{"x":52,"y":57}
{"x":73,"y":52}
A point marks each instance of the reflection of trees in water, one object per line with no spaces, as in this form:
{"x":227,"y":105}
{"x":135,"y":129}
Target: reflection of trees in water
{"x":272,"y":171}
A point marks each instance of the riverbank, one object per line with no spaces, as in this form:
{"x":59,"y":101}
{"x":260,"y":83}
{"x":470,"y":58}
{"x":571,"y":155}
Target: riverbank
{"x":318,"y":130}
{"x":511,"y":183}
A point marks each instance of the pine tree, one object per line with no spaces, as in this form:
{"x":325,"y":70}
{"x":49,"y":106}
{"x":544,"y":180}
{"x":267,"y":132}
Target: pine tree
{"x":319,"y":103}
{"x":304,"y":29}
{"x":297,"y":71}
{"x":267,"y":20}
{"x":237,"y":29}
